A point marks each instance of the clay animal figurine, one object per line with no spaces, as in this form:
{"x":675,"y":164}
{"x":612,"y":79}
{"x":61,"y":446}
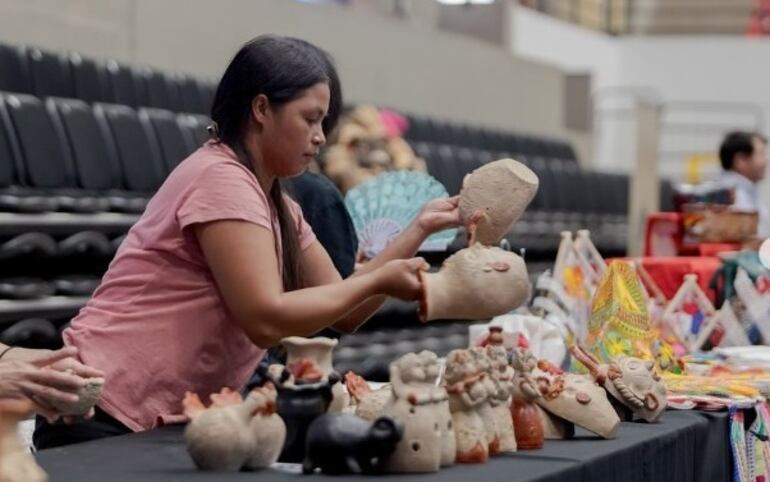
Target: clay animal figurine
{"x":369,"y":404}
{"x":576,"y":398}
{"x":475,"y":283}
{"x":88,"y":396}
{"x":555,"y":428}
{"x":527,"y":422}
{"x":485,"y":407}
{"x":494,"y":196}
{"x":16,"y":463}
{"x":631,"y":381}
{"x":448,"y":439}
{"x":221,"y":437}
{"x":342,"y":443}
{"x":501,"y":375}
{"x":267,"y":428}
{"x":466,"y":392}
{"x":413,"y":405}
{"x":319,"y":351}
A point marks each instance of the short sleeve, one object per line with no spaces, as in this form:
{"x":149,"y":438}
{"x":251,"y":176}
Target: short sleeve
{"x":304,"y":231}
{"x":224,"y":191}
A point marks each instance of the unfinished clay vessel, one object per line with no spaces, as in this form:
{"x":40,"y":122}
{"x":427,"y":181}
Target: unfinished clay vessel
{"x":413,"y":405}
{"x":494,"y":196}
{"x":466,"y":392}
{"x":485,"y":407}
{"x":631,"y":381}
{"x":502,"y":377}
{"x":475,"y":283}
{"x":16,"y":463}
{"x":88,"y":396}
{"x":527,"y":423}
{"x":319,"y":350}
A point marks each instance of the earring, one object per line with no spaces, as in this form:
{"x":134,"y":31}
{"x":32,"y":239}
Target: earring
{"x":213,"y":130}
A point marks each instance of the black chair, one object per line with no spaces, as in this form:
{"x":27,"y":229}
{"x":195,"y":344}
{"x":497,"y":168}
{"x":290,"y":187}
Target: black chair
{"x":194,"y":129}
{"x":192,"y":99}
{"x":45,"y":161}
{"x":14,"y":70}
{"x":136,"y":145}
{"x":91,"y":81}
{"x":32,"y":333}
{"x":95,"y":156}
{"x":171,"y":138}
{"x":122,"y":83}
{"x":154,"y":88}
{"x":51,"y":73}
{"x":25,"y":288}
{"x":76,"y":285}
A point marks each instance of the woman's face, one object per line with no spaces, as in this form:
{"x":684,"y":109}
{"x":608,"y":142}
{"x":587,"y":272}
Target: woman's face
{"x":292,"y":132}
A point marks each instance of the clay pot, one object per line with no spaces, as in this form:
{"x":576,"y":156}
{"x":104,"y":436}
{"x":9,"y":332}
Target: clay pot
{"x":494,"y":196}
{"x":475,"y":283}
{"x":319,"y":350}
{"x":88,"y":396}
{"x":16,"y":463}
{"x":527,"y":425}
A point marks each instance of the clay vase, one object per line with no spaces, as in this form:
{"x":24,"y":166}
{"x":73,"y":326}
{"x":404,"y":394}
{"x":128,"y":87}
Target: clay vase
{"x":268,"y":430}
{"x":16,"y":463}
{"x":475,"y":283}
{"x":527,"y":425}
{"x":494,"y":196}
{"x":88,"y":396}
{"x":502,"y":376}
{"x":419,"y":450}
{"x":218,"y":438}
{"x":319,"y":350}
{"x":461,"y":379}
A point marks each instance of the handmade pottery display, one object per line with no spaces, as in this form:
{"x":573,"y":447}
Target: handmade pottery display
{"x":466,"y":392}
{"x":225,"y":436}
{"x":16,"y":463}
{"x":414,"y":406}
{"x":475,"y":283}
{"x":502,"y":377}
{"x":341,"y":443}
{"x":485,"y":407}
{"x":494,"y":196}
{"x":319,"y":350}
{"x":527,"y":423}
{"x":88,"y":396}
{"x":631,"y":381}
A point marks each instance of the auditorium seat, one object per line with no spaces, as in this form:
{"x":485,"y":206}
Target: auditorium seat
{"x":32,"y":333}
{"x":173,"y":145}
{"x":14,"y":71}
{"x":91,"y":81}
{"x":51,"y":73}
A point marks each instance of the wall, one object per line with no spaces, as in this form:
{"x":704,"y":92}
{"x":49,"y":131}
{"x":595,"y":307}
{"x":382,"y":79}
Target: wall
{"x":381,"y":60}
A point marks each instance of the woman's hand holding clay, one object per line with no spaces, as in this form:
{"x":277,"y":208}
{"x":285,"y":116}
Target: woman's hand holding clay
{"x":400,"y":278}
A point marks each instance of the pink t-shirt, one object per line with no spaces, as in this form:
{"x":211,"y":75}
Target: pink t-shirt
{"x":157,"y":325}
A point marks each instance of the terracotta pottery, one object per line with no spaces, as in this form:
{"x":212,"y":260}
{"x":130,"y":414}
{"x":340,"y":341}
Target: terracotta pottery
{"x":485,"y":407}
{"x":466,"y":392}
{"x":527,"y":423}
{"x":88,"y":396}
{"x":494,"y":196}
{"x":631,"y":381}
{"x":502,"y":376}
{"x":319,"y":350}
{"x":475,"y":283}
{"x":16,"y":463}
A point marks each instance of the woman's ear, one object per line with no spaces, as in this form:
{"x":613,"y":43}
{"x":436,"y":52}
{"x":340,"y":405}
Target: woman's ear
{"x":260,"y":108}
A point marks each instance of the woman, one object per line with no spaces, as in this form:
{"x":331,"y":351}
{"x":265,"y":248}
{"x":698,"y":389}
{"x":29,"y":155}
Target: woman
{"x":222,"y":265}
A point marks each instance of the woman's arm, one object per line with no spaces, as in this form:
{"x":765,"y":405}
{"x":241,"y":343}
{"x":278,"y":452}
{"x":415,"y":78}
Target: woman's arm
{"x":242,"y":258}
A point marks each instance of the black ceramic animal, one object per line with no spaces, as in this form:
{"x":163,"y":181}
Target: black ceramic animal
{"x":343,"y":443}
{"x":298,"y":405}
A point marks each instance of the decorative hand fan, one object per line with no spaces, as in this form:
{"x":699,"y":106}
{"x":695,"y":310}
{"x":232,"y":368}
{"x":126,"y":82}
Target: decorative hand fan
{"x":383,"y":206}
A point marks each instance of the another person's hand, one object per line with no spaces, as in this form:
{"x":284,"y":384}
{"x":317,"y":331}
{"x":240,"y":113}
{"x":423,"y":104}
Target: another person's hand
{"x":438,"y":215}
{"x":400,"y":278}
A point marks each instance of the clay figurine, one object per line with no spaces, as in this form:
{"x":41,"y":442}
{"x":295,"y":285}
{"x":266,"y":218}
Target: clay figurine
{"x":631,"y":381}
{"x":448,"y":439}
{"x":555,"y":428}
{"x":494,"y":196}
{"x":341,"y":443}
{"x":466,"y":392}
{"x":502,"y":377}
{"x":319,"y":350}
{"x":485,"y":407}
{"x":527,"y":423}
{"x":88,"y":396}
{"x":267,"y":428}
{"x":16,"y":463}
{"x":368,"y":403}
{"x":475,"y":283}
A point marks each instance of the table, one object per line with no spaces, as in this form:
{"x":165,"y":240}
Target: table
{"x":668,"y":272}
{"x":684,"y":446}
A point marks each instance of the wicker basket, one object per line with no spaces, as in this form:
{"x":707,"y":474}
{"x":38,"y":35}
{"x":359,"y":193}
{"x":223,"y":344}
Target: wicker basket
{"x":718,"y":224}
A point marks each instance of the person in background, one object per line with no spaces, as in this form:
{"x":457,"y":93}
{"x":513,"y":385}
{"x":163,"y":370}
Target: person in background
{"x":744,"y":159}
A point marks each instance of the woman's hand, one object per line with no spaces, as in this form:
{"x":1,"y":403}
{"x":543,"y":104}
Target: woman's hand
{"x":438,"y":215}
{"x":400,"y":278}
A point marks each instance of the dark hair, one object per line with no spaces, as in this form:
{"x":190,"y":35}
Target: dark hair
{"x":734,"y":143}
{"x":281,"y":68}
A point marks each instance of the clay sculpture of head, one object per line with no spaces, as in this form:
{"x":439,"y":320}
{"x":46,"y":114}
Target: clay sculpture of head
{"x":475,"y":283}
{"x":631,"y":381}
{"x":494,"y":196}
{"x":342,"y":443}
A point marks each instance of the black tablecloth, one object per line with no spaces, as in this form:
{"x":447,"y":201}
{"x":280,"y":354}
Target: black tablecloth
{"x":684,"y":446}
